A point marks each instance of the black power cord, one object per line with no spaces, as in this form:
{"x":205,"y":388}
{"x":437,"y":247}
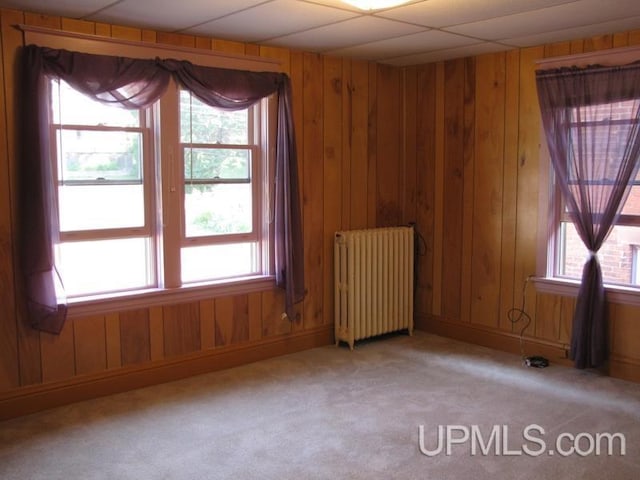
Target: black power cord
{"x":515,"y":315}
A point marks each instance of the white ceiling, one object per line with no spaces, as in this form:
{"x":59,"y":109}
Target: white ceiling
{"x":421,"y":31}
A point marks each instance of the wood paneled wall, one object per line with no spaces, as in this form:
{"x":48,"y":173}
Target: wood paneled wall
{"x":348,"y":117}
{"x":453,"y":146}
{"x":475,"y":148}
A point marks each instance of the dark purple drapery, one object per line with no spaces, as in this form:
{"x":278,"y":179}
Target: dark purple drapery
{"x":135,"y":83}
{"x":595,"y":152}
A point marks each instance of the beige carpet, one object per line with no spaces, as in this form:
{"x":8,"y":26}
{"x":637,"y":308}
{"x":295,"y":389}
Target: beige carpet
{"x":330,"y":413}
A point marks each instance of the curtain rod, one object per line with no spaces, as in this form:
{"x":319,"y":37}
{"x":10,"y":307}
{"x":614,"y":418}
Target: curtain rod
{"x":88,"y":43}
{"x":608,"y":58}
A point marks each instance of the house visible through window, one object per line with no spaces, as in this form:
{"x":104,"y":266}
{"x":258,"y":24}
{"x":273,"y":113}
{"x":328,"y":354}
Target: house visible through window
{"x":617,"y":256}
{"x":120,"y":229}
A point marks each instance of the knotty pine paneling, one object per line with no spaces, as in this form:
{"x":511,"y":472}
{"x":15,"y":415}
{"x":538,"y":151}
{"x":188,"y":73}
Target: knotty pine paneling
{"x":335,"y":104}
{"x":9,"y":374}
{"x":135,"y":346}
{"x":113,"y":340}
{"x":313,"y":188}
{"x":389,"y":147}
{"x":90,"y":344}
{"x":469,"y":133}
{"x":410,"y":179}
{"x":528,"y":172}
{"x":438,"y":191}
{"x":274,"y":323}
{"x":333,"y":91}
{"x":497,"y":155}
{"x":509,"y":188}
{"x":452,"y":145}
{"x":232,"y":320}
{"x":488,"y":178}
{"x":358,"y":138}
{"x":425,"y":192}
{"x":625,"y":330}
{"x":207,"y":324}
{"x":454,"y":82}
{"x":181,"y":327}
{"x":58,"y":354}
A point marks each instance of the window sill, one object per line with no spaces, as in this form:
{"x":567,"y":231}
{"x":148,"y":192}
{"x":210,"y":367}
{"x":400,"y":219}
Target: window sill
{"x":103,"y":304}
{"x":569,"y":288}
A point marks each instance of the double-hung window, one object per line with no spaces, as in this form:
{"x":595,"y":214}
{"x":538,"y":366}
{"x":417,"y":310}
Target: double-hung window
{"x":169,"y":196}
{"x":104,"y":172}
{"x":618,"y":257}
{"x":220,"y":153}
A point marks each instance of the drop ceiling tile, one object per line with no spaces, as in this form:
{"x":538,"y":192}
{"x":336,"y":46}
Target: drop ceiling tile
{"x":446,"y":54}
{"x":271,"y":19}
{"x":350,"y":32}
{"x":631,"y":23}
{"x":442,"y":13}
{"x":406,"y":45}
{"x":168,"y":14}
{"x":570,"y":15}
{"x":67,"y":8}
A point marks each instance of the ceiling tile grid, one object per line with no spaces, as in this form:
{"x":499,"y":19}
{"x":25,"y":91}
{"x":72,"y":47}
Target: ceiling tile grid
{"x":419,"y":31}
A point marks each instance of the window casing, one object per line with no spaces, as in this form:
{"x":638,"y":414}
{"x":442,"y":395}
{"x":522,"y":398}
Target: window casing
{"x":564,"y":251}
{"x":144,"y":204}
{"x":220,"y":210}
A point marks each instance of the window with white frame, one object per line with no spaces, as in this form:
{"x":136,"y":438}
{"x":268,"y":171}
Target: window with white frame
{"x":220,"y":153}
{"x":567,"y":253}
{"x":132,"y":218}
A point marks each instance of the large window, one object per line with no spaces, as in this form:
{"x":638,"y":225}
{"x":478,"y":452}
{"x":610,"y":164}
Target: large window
{"x":617,"y":256}
{"x":120,"y":230}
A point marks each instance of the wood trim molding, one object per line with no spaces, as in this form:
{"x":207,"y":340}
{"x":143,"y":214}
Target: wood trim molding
{"x":618,"y":367}
{"x":493,"y":338}
{"x":27,"y":400}
{"x":608,"y":57}
{"x":98,"y":44}
{"x":556,"y":352}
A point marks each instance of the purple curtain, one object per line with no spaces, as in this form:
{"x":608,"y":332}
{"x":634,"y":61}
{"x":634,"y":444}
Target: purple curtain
{"x":135,"y":83}
{"x":590,"y":118}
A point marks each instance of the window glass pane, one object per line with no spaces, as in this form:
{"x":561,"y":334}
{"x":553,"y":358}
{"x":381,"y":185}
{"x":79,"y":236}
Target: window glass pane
{"x":99,"y":156}
{"x":93,"y":207}
{"x":105,"y":265}
{"x":632,"y":205}
{"x":218,"y":209}
{"x":71,"y":107}
{"x":615,"y":256}
{"x":216,"y":163}
{"x":599,"y":133}
{"x":212,"y":262}
{"x":200,"y":123}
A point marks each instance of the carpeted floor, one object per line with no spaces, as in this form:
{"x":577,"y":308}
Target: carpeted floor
{"x":330,"y":413}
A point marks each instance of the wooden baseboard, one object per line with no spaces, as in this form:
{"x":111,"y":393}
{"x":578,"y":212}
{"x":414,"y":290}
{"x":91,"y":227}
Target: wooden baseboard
{"x":27,"y":400}
{"x":618,"y":367}
{"x":493,"y":338}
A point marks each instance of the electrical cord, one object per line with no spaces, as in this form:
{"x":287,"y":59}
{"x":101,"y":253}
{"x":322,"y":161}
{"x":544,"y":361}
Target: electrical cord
{"x":516,"y":314}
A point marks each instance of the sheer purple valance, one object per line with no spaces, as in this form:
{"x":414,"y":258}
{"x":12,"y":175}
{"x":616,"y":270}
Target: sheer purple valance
{"x":137,"y":83}
{"x":591,"y":118}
